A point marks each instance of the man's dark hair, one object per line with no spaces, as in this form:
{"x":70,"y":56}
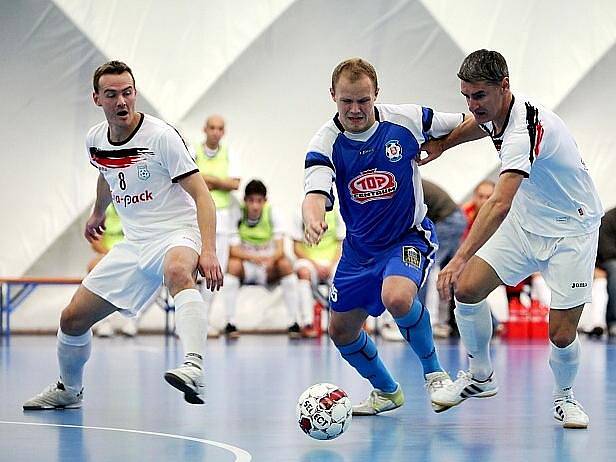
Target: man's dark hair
{"x":111,"y":67}
{"x":255,"y":187}
{"x":484,"y":66}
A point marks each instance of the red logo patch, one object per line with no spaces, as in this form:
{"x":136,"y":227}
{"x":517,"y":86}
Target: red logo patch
{"x":372,"y":185}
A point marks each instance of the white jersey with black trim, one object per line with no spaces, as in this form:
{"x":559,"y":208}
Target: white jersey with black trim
{"x":557,"y":197}
{"x":143,"y":173}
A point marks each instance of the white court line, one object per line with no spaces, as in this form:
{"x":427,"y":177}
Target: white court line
{"x":240,"y":454}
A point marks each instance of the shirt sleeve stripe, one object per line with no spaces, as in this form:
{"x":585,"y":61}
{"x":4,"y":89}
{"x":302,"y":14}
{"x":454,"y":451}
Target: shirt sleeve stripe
{"x":514,"y":170}
{"x":184,"y":175}
{"x":315,"y":158}
{"x":427,"y":115}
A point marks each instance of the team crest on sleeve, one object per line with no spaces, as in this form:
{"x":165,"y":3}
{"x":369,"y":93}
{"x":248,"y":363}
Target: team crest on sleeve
{"x":393,"y":150}
{"x":411,"y":256}
{"x":372,"y":185}
{"x":142,"y":172}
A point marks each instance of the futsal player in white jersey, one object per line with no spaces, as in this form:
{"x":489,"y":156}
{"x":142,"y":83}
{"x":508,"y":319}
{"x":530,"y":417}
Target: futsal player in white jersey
{"x":544,"y":216}
{"x":168,"y":218}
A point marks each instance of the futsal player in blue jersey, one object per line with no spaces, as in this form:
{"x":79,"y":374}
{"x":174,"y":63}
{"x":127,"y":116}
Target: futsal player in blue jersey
{"x":369,"y":151}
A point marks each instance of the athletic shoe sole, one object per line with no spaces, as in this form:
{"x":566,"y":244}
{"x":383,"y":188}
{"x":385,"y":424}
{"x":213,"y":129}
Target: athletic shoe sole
{"x":189,"y":394}
{"x":51,"y":408}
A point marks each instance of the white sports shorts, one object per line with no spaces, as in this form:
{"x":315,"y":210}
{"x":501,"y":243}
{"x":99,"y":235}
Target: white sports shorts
{"x":305,"y":263}
{"x":566,"y":263}
{"x":131,"y":274}
{"x":254,"y":274}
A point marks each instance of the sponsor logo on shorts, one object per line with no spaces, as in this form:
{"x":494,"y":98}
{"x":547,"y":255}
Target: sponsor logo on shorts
{"x":411,"y":256}
{"x":577,"y":285}
{"x":393,"y":150}
{"x":372,"y":185}
{"x":130,"y":199}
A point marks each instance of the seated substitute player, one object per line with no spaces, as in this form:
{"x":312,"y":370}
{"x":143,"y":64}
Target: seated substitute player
{"x":369,"y":150}
{"x":256,"y":256}
{"x":168,"y":218}
{"x":315,"y":265}
{"x":544,"y":216}
{"x":219,"y":169}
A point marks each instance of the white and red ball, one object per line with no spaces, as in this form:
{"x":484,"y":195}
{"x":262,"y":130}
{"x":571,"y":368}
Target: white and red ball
{"x":324,"y":411}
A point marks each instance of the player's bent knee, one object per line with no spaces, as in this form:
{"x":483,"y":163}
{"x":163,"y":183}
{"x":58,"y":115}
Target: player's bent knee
{"x":284,"y":267}
{"x":304,"y":274}
{"x":397,"y":303}
{"x":562,"y":338}
{"x":178,"y":277}
{"x":467,"y":293}
{"x":234,"y":267}
{"x":72,"y":323}
{"x":341,"y":335}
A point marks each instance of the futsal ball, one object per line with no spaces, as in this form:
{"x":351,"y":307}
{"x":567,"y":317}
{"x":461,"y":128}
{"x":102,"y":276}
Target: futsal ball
{"x":324,"y":411}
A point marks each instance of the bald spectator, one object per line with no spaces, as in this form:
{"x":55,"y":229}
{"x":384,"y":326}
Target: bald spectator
{"x":221,"y":174}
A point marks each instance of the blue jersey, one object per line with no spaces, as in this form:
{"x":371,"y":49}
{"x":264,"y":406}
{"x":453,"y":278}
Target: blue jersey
{"x":376,"y":174}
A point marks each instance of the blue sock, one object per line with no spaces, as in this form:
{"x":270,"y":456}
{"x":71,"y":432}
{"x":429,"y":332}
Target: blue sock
{"x":415,"y":328}
{"x":362,"y":355}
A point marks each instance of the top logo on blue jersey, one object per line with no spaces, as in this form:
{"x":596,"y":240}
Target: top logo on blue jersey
{"x":393,"y":150}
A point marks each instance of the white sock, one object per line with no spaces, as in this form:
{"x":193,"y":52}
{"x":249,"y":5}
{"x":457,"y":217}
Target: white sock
{"x":207,"y":295}
{"x":230,"y":292}
{"x":73,"y":353}
{"x":564,"y":363}
{"x":191,"y":324}
{"x":304,"y":291}
{"x":475,"y":326}
{"x":289,"y":295}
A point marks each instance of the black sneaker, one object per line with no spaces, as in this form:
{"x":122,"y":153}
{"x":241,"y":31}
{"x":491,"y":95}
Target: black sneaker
{"x":231,"y":331}
{"x":294,"y":331}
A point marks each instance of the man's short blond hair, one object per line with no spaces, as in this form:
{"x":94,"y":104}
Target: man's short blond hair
{"x":354,"y":69}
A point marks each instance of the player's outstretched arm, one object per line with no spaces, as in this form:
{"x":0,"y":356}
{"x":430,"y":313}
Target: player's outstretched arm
{"x":313,"y":213}
{"x":467,"y":131}
{"x":206,"y":218}
{"x":95,"y":226}
{"x":489,"y":218}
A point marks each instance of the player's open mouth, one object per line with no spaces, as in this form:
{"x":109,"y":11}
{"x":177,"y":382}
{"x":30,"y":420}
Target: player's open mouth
{"x":122,"y":113}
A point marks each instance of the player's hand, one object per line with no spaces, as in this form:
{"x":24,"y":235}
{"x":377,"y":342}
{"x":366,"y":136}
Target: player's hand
{"x":313,"y":232}
{"x":448,"y":277}
{"x":95,"y":227}
{"x":210,"y":270}
{"x":434,"y":148}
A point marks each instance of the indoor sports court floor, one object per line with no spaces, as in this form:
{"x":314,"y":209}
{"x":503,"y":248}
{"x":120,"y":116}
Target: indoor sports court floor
{"x":131,"y":414}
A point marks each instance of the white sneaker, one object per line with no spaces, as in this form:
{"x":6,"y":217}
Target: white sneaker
{"x":434,"y":382}
{"x":187,"y":378}
{"x":129,"y":328}
{"x":104,"y":329}
{"x":465,"y":386}
{"x":570,"y":412}
{"x":379,"y":401}
{"x":55,"y":396}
